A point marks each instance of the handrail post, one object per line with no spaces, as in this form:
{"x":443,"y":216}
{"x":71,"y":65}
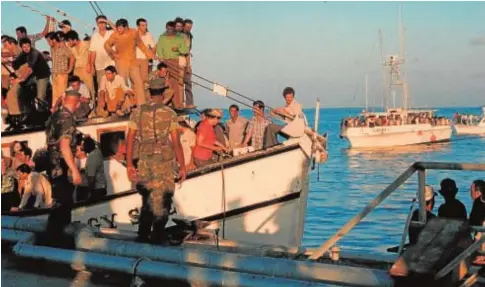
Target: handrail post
{"x":422,"y":200}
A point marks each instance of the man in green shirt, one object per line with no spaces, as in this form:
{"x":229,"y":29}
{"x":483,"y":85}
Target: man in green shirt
{"x":169,"y":48}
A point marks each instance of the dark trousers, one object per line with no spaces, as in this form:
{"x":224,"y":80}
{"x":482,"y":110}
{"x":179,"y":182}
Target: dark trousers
{"x":60,"y":215}
{"x":271,"y":135}
{"x":189,"y":96}
{"x":149,"y":220}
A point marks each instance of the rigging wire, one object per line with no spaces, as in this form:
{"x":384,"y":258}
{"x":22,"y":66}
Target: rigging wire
{"x":100,"y":11}
{"x":65,"y":14}
{"x":92,"y":6}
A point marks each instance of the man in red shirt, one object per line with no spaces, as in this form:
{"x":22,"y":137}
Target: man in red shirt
{"x":206,"y":142}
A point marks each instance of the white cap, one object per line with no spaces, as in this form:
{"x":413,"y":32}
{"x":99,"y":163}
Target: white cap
{"x":428,"y":193}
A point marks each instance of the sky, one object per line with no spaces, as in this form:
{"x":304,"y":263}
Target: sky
{"x":321,"y":49}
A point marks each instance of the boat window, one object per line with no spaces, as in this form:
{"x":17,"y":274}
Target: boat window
{"x":110,"y":142}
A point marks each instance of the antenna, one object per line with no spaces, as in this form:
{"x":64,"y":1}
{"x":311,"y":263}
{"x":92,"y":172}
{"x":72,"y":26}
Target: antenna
{"x":385,"y":90}
{"x":366,"y":93}
{"x":402,"y":37}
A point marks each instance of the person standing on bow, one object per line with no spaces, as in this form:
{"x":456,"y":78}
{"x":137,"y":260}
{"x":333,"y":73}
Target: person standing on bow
{"x":126,"y":40}
{"x":257,"y":127}
{"x":189,"y":96}
{"x":169,"y":48}
{"x":153,"y":141}
{"x":98,"y":57}
{"x":236,"y":127}
{"x":22,"y":32}
{"x":80,"y":51}
{"x":61,"y":145}
{"x":141,"y":59}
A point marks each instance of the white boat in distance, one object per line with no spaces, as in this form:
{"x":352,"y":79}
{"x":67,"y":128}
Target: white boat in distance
{"x":468,"y":127}
{"x":396,"y":126}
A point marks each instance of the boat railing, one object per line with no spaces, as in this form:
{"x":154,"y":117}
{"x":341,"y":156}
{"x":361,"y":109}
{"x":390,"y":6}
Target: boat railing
{"x":420,"y":168}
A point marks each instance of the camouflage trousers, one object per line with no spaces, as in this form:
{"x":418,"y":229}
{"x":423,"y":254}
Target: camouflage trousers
{"x":157,"y":186}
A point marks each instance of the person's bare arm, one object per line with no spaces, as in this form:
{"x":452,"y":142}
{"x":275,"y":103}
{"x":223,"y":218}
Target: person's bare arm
{"x":179,"y":152}
{"x":65,"y":146}
{"x":72,"y":62}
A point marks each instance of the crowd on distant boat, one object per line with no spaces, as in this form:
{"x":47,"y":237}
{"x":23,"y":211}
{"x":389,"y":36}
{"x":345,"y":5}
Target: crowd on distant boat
{"x":452,"y":208}
{"x":466,"y":119}
{"x":393,"y":120}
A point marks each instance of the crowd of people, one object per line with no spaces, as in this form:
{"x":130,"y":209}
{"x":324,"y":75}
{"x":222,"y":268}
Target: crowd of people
{"x":452,"y":208}
{"x":112,"y":69}
{"x":25,"y":184}
{"x":393,"y":120}
{"x":466,"y":119}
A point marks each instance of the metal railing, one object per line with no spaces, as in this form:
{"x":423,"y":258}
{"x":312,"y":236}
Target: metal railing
{"x":420,"y":168}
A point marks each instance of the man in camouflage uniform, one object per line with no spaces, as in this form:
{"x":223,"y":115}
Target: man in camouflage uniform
{"x":154,"y":142}
{"x":60,"y":134}
{"x":158,"y":85}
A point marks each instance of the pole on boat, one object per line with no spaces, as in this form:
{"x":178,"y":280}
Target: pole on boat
{"x":357,"y":218}
{"x":406,"y":227}
{"x":422,"y":200}
{"x":366,"y":93}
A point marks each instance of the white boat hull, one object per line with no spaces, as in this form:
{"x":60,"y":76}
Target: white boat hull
{"x":258,"y":198}
{"x":389,"y":136}
{"x":470,"y":129}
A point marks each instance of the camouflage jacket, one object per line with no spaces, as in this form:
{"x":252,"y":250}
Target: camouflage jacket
{"x":153,"y":123}
{"x":60,"y":125}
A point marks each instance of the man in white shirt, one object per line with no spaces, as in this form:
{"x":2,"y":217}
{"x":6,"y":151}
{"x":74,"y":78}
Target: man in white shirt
{"x":80,"y":51}
{"x":291,"y":111}
{"x":147,"y":39}
{"x":187,"y":139}
{"x":37,"y":185}
{"x":98,"y":57}
{"x":85,"y":103}
{"x":114,"y":94}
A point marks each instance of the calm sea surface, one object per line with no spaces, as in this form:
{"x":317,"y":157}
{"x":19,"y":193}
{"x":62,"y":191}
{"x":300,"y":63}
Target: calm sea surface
{"x":350,"y":179}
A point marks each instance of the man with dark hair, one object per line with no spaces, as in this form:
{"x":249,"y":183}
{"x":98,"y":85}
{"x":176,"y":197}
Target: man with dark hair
{"x":114,"y":94}
{"x":31,"y":64}
{"x":189,"y":96}
{"x":22,"y":32}
{"x":179,"y":25}
{"x":452,"y":208}
{"x":95,"y":169}
{"x":80,"y":51}
{"x":170,"y":47}
{"x":85,"y":102}
{"x":126,"y":40}
{"x":158,"y":84}
{"x":292,"y":111}
{"x":257,"y":127}
{"x":236,"y":127}
{"x":98,"y":57}
{"x":141,"y":60}
{"x":35,"y":184}
{"x":60,"y":137}
{"x":65,"y":26}
{"x":62,"y":64}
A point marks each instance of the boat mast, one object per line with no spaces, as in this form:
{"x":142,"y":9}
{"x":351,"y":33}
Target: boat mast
{"x":402,"y":31}
{"x":385,"y":89}
{"x":366,"y":93}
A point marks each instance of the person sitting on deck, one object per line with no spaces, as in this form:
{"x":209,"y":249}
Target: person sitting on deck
{"x":159,"y":85}
{"x":206,"y":142}
{"x":429,"y":196}
{"x":85,"y":103}
{"x":257,"y":127}
{"x":35,"y":184}
{"x":114,"y":94}
{"x":25,"y":156}
{"x":292,"y":110}
{"x":452,"y":208}
{"x":477,"y":215}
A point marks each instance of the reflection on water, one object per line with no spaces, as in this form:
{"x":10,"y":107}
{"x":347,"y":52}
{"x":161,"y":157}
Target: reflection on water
{"x":351,"y":178}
